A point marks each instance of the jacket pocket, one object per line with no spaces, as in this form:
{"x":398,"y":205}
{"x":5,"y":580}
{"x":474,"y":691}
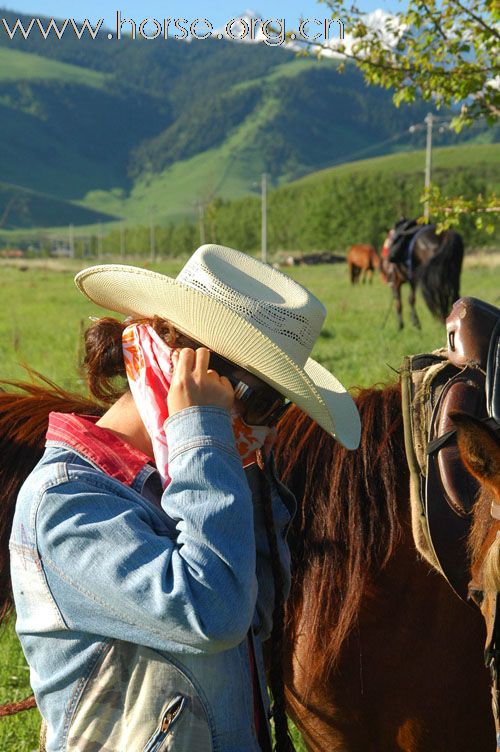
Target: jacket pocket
{"x":169,"y":717}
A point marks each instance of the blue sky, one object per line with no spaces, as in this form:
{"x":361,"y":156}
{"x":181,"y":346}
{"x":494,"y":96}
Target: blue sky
{"x":291,"y":10}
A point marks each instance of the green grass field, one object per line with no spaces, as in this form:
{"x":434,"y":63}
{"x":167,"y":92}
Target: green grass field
{"x":42,"y":315}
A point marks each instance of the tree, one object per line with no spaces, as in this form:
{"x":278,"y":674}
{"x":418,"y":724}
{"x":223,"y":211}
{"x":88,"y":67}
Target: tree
{"x":444,"y":51}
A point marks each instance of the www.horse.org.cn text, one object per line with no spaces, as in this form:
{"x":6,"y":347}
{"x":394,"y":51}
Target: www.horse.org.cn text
{"x":272,"y":32}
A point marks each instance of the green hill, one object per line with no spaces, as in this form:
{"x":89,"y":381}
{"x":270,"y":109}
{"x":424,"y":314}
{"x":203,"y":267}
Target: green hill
{"x":327,"y":210}
{"x":140,"y":130}
{"x":358,"y":202}
{"x":23,"y":208}
{"x":482,"y":156}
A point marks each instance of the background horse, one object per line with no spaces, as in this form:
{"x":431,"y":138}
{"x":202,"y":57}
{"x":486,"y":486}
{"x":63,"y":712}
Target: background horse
{"x":362,"y":260}
{"x":380,"y":655}
{"x":435,"y":264}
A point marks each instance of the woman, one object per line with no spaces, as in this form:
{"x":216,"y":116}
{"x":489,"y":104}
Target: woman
{"x":148,"y":545}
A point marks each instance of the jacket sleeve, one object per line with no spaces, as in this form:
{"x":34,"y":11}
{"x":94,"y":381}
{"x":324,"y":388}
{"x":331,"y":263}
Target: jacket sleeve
{"x":187,"y":582}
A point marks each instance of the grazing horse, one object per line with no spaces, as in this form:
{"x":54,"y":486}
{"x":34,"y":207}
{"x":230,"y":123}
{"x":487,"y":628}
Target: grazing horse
{"x":434,"y":264}
{"x":380,"y":655}
{"x":480,"y":451}
{"x":362,"y":260}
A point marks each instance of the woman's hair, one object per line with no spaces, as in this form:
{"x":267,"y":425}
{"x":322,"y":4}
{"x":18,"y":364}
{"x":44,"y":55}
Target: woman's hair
{"x":103,"y":361}
{"x":24,"y":417}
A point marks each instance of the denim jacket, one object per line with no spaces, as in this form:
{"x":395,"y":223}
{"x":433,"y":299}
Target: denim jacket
{"x":134,"y":608}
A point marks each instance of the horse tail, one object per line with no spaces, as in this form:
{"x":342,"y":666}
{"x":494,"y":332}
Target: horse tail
{"x":439,"y":278}
{"x":24,"y":417}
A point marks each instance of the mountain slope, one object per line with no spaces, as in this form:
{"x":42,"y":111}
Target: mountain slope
{"x":141,"y":129}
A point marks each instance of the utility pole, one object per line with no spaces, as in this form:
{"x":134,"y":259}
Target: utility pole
{"x":428,"y":162}
{"x":264,"y":218}
{"x":99,"y":242}
{"x":122,"y":242}
{"x":72,"y":241}
{"x":201,"y":222}
{"x":152,"y":240}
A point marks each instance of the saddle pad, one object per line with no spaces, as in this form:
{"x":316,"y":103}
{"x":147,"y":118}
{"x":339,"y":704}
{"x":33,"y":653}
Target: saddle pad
{"x":442,"y":493}
{"x":493,"y":375}
{"x":417,"y":374}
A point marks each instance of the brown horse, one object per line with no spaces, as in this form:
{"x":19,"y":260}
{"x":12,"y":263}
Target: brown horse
{"x":362,"y":260}
{"x":480,"y":451}
{"x":381,"y":655}
{"x":375,"y":657}
{"x":435,"y":264}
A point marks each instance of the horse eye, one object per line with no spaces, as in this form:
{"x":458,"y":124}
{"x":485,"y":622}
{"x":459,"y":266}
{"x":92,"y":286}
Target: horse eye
{"x":477,"y":596}
{"x":451,"y":341}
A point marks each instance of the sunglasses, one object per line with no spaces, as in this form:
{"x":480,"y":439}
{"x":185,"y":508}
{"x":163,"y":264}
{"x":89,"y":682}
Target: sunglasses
{"x":262,"y":405}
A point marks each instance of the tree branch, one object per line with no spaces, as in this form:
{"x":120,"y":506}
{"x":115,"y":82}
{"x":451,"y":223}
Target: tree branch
{"x":477,"y":19}
{"x":444,"y":72}
{"x":435,"y":23}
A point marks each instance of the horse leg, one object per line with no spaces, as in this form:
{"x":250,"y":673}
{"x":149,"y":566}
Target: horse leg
{"x":396,"y":293}
{"x":411,"y":299}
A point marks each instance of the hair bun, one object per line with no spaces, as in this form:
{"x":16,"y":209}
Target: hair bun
{"x":104,"y":357}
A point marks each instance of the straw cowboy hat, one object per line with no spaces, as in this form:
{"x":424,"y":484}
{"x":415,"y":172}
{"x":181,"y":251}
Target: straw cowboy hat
{"x":244,"y":310}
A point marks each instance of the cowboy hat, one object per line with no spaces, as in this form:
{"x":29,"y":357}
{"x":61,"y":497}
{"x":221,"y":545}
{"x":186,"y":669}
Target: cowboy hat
{"x":244,"y":310}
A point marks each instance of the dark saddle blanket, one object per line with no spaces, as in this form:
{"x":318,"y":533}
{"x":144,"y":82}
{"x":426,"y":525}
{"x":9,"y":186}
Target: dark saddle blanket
{"x":404,"y":232}
{"x":464,"y":377}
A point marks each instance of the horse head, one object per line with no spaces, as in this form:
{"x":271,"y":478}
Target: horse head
{"x":479,"y":448}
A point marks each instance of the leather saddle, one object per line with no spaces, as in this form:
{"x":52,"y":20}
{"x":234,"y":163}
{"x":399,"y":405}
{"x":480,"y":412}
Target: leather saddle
{"x":404,"y":231}
{"x":462,"y":377}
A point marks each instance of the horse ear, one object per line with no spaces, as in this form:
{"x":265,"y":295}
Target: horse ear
{"x":479,"y":449}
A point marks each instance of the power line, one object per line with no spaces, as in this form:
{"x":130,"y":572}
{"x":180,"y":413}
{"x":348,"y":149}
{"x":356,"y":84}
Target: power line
{"x":360,"y":152}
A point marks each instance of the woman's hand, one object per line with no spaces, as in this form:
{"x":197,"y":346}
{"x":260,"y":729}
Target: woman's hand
{"x":193,"y":383}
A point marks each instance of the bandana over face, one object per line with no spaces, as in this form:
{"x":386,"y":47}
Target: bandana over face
{"x":149,"y":368}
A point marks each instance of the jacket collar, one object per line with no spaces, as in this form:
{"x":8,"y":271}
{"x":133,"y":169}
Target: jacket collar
{"x":111,"y":454}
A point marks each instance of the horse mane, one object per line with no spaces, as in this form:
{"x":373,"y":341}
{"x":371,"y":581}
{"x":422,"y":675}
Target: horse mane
{"x":346,"y":526}
{"x":439,"y":278}
{"x":482,"y":521}
{"x":491,"y":568}
{"x":24,"y":417}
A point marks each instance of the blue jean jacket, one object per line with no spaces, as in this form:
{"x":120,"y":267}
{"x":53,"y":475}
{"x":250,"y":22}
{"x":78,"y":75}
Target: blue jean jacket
{"x":136,"y":608}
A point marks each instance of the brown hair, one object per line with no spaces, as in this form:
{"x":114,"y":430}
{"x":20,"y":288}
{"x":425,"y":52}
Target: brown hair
{"x":103,"y":360}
